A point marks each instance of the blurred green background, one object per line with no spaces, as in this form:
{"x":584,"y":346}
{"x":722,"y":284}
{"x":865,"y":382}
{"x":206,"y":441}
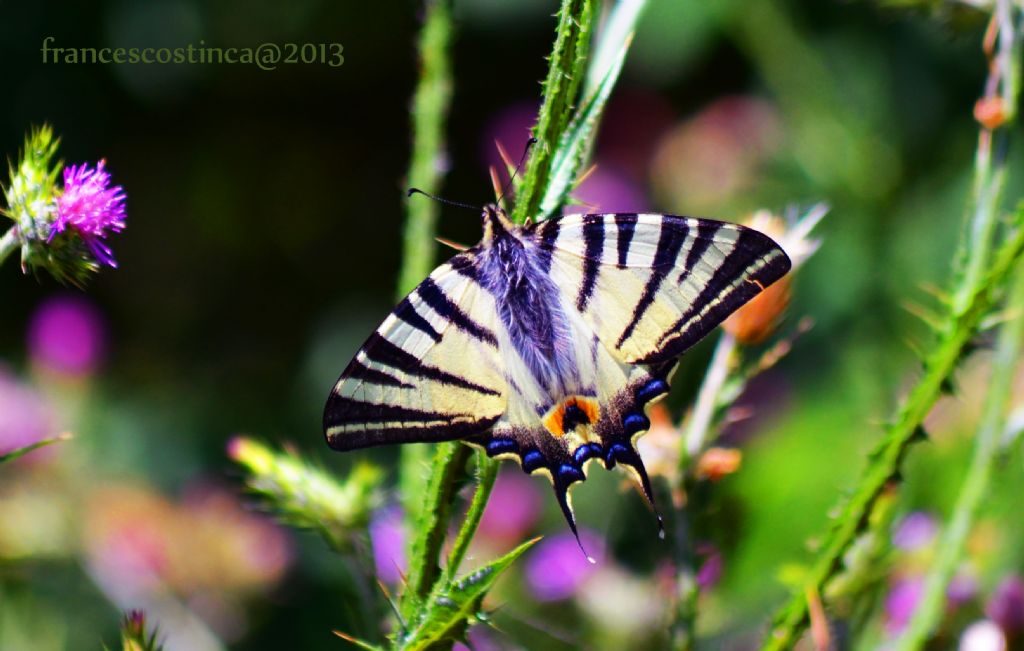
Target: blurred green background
{"x":262,"y":247}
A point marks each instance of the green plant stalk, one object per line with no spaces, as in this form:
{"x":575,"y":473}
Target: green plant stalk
{"x":972,"y":491}
{"x":486,"y":474}
{"x":430,"y":106}
{"x":568,"y":69}
{"x":9,"y":243}
{"x":449,"y":463}
{"x":885,"y":460}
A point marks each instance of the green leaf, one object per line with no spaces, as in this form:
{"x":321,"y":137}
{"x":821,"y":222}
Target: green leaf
{"x":450,"y":607}
{"x":575,"y":143}
{"x":14,"y":454}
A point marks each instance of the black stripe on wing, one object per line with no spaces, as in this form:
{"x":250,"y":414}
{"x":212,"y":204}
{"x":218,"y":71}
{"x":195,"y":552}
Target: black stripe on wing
{"x":754,"y":263}
{"x":670,"y":242}
{"x":365,"y":424}
{"x":593,"y":240}
{"x":432,"y":294}
{"x":625,"y":224}
{"x":378,"y":349}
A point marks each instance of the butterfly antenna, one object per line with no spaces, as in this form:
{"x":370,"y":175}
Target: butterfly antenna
{"x":526,"y":150}
{"x":449,"y":202}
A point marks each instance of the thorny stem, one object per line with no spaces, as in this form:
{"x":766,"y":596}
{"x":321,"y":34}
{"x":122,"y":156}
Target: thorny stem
{"x":1005,"y":72}
{"x":698,"y":431}
{"x":429,"y":112}
{"x":566,"y":72}
{"x":9,"y":243}
{"x":449,"y":463}
{"x":486,"y":474}
{"x":887,"y":457}
{"x":986,"y":451}
{"x":568,"y":69}
{"x":975,"y":296}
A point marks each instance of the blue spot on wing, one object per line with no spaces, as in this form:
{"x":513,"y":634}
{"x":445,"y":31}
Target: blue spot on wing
{"x":651,"y":390}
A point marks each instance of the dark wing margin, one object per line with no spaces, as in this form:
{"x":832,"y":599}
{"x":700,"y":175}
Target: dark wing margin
{"x":431,"y":372}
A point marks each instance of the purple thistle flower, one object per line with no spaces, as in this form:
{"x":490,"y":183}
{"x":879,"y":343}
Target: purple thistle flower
{"x":91,"y":207}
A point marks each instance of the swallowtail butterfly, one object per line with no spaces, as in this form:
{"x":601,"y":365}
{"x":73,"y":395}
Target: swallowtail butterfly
{"x":544,"y":343}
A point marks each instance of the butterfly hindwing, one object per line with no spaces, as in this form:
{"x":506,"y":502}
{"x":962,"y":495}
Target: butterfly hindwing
{"x":431,"y":371}
{"x":653,"y":285}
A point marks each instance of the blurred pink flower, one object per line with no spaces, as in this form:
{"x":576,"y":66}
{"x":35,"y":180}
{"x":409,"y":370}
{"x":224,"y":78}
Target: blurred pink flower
{"x":511,"y":127}
{"x":1006,"y":607}
{"x":513,"y":508}
{"x":26,"y":417}
{"x":711,"y":568}
{"x":387,"y":534}
{"x":138,"y":541}
{"x":915,"y":531}
{"x":901,"y":602}
{"x":607,"y":191}
{"x":962,"y":589}
{"x":66,"y":334}
{"x":714,"y":155}
{"x":557,"y":567}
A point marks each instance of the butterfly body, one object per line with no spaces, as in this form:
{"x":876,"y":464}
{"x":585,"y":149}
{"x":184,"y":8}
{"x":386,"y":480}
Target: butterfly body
{"x":544,"y":343}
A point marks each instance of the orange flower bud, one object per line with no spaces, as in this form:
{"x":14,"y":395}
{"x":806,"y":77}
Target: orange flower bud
{"x":716,"y":463}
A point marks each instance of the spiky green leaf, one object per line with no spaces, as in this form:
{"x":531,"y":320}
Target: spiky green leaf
{"x":451,"y":606}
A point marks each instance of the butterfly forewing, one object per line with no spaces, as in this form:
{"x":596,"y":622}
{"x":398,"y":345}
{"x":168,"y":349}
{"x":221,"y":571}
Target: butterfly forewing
{"x":653,"y":285}
{"x":431,"y":371}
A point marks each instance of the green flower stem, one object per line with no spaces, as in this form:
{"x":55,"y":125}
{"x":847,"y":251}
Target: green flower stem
{"x":954,"y":339}
{"x":449,"y":464}
{"x":486,"y":474}
{"x":987,"y":447}
{"x":9,"y":243}
{"x":568,"y":68}
{"x":430,"y":106}
{"x":700,"y":423}
{"x":976,"y":294}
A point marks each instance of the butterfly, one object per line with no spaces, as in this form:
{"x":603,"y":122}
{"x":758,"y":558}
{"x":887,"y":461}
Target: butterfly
{"x":544,"y":342}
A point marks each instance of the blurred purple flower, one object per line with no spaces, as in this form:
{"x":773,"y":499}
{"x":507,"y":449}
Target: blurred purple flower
{"x":915,"y":531}
{"x":388,"y":538}
{"x":606,"y":191}
{"x":91,"y":207}
{"x":66,"y":334}
{"x":1006,"y":607}
{"x":512,"y":509}
{"x":711,"y":569}
{"x":901,"y":602}
{"x":511,"y":127}
{"x":962,"y":589}
{"x":25,"y":415}
{"x":557,"y":567}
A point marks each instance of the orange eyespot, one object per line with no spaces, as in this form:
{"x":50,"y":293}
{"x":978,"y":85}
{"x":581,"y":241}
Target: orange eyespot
{"x":571,"y":413}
